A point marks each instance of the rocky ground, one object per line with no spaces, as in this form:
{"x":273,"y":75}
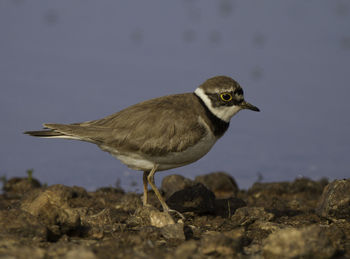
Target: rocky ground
{"x":300,"y":219}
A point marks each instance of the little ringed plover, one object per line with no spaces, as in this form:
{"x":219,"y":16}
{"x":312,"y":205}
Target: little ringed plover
{"x":161,"y":133}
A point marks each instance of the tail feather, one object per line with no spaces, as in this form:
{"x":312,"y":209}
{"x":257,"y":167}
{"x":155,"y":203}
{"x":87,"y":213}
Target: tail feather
{"x":44,"y":133}
{"x":67,"y":131}
{"x":49,"y":132}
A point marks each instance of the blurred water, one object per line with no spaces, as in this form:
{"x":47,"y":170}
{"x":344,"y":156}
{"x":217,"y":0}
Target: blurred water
{"x":64,"y":61}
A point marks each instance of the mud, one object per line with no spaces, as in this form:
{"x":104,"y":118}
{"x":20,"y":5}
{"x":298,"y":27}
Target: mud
{"x":300,"y":219}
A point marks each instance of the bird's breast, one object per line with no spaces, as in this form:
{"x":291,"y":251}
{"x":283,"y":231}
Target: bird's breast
{"x":170,"y":160}
{"x":189,"y":155}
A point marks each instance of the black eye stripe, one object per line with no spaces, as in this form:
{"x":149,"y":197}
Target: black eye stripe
{"x":238,"y":91}
{"x":217,"y":100}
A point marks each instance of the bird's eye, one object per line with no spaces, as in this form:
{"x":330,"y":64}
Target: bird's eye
{"x":226,"y":97}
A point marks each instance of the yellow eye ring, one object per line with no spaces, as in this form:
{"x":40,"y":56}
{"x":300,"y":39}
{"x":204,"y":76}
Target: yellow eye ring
{"x":226,"y":97}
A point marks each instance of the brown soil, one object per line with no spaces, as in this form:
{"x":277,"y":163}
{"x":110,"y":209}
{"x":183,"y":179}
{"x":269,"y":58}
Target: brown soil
{"x":300,"y":219}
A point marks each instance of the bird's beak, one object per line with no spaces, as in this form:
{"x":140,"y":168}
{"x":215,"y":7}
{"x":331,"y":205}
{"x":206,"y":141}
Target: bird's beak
{"x":246,"y":105}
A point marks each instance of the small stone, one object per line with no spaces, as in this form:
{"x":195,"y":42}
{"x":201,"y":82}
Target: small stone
{"x":335,"y":200}
{"x":267,"y":226}
{"x":196,"y":198}
{"x":160,"y":219}
{"x":248,"y":215}
{"x":173,"y":232}
{"x":174,"y":183}
{"x":308,"y":242}
{"x":220,"y":183}
{"x":80,"y":252}
{"x":149,"y":215}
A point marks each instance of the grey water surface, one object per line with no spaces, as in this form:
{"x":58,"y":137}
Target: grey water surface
{"x":71,"y":61}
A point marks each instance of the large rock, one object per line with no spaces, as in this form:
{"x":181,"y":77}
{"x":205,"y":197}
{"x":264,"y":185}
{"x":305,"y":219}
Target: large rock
{"x":300,"y":195}
{"x":196,"y":198}
{"x":173,"y":183}
{"x":220,"y":183}
{"x":307,"y":242}
{"x":335,"y":200}
{"x":52,"y":207}
{"x":299,"y":185}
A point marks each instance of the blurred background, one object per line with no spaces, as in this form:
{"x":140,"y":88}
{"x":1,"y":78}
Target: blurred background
{"x":70,"y":61}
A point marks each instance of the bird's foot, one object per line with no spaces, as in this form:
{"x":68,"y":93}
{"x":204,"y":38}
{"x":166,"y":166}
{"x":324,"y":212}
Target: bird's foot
{"x":171,"y":211}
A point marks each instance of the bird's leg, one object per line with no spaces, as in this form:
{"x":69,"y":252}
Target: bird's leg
{"x":150,"y":178}
{"x":145,"y":188}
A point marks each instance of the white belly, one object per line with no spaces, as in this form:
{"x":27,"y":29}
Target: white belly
{"x":172,"y":160}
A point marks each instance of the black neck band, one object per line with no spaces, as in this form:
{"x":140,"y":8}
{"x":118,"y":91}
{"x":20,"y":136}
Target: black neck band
{"x":219,"y":125}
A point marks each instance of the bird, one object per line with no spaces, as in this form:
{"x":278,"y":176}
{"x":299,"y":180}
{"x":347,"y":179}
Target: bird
{"x":161,"y":133}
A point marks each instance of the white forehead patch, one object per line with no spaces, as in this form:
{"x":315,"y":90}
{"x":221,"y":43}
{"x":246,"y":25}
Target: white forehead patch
{"x":223,"y":112}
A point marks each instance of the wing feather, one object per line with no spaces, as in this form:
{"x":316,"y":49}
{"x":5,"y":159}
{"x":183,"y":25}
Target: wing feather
{"x":153,"y":127}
